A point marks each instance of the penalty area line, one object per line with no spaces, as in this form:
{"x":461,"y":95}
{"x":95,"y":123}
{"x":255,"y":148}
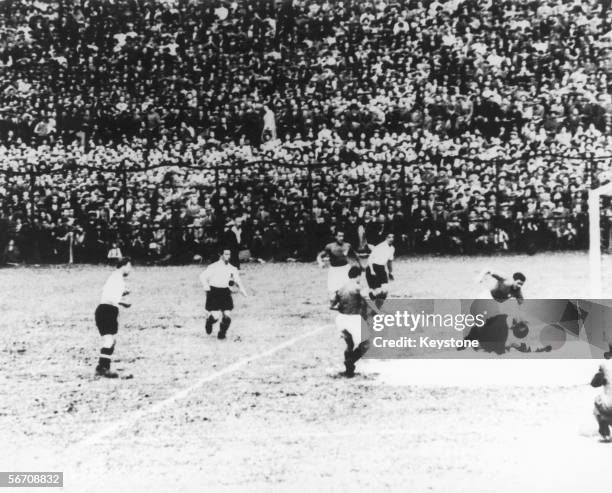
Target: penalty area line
{"x":137,"y":415}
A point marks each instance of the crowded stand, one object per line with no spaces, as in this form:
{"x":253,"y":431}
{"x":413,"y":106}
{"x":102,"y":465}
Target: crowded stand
{"x":161,"y":129}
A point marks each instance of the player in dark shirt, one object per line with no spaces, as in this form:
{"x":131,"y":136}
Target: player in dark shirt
{"x":340,"y":254}
{"x":505,"y":289}
{"x":351,"y":307}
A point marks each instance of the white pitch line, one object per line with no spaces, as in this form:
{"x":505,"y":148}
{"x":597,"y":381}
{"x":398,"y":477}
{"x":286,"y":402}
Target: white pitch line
{"x":375,"y":432}
{"x":134,"y":417}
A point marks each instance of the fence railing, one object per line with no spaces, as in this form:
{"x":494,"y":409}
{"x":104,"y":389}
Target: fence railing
{"x":567,"y":231}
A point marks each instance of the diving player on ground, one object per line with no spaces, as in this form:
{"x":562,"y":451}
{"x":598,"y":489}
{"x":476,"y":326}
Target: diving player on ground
{"x":339,"y":253}
{"x":217,"y":280}
{"x":502,"y":322}
{"x":107,"y":313}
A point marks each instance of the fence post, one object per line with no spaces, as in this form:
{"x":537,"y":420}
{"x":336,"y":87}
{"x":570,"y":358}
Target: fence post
{"x":32,"y":186}
{"x":403,"y":180}
{"x":593,"y":173}
{"x":497,"y":194}
{"x":383,"y":185}
{"x":309,"y":182}
{"x":124,"y":189}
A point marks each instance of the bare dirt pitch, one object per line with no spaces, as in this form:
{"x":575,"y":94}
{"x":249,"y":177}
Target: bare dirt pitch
{"x":265,"y":410}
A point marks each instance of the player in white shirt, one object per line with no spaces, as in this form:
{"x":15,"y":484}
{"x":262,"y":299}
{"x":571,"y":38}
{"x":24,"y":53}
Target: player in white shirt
{"x":380,"y":268}
{"x":107,"y":313}
{"x":218,"y":280}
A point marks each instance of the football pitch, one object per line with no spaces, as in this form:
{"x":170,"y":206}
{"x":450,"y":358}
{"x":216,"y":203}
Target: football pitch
{"x":266,"y":409}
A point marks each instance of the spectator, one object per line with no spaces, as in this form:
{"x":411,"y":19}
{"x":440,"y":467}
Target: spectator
{"x":141,"y":124}
{"x":114,"y":254}
{"x":11,"y":254}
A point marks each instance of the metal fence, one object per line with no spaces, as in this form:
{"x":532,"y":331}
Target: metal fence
{"x":501,"y":231}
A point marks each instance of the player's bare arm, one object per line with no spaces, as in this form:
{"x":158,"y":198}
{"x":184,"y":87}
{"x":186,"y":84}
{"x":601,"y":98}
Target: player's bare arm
{"x":123,"y":302}
{"x":495,"y":275}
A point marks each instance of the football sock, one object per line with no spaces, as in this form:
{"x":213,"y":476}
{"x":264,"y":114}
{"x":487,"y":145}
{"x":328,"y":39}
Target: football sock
{"x":210,"y":321}
{"x":105,"y":357}
{"x":224,"y":325}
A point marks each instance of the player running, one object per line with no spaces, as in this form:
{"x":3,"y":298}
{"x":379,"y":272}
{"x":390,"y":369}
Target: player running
{"x":339,"y":253}
{"x":107,"y":313}
{"x":218,"y":279}
{"x":351,"y":308}
{"x":380,"y":268}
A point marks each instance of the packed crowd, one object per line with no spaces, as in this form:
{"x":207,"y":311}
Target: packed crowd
{"x":161,"y":128}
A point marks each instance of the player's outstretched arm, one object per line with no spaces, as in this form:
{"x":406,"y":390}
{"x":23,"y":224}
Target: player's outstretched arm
{"x":494,"y":275}
{"x":497,"y":276}
{"x":124,"y":292}
{"x":521,"y":347}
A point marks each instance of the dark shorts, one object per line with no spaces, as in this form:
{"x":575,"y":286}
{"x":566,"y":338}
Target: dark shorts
{"x":219,"y":299}
{"x":379,"y":277}
{"x":493,"y":335}
{"x":106,"y":319}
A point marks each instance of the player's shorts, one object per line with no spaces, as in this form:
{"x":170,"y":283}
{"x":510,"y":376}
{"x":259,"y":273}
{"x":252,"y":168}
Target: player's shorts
{"x":493,"y":335}
{"x":106,"y":319}
{"x":379,"y":277}
{"x":337,"y":277}
{"x":352,"y":323}
{"x":219,"y":299}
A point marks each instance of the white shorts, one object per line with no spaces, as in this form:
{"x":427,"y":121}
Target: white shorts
{"x":337,"y":277}
{"x":352,"y":323}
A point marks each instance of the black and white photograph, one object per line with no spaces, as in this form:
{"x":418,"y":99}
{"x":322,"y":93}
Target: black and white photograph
{"x":306,"y":246}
